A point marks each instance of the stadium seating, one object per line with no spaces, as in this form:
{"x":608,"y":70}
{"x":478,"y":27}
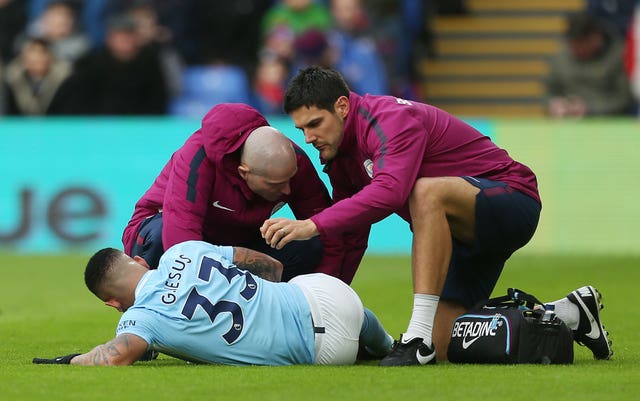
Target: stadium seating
{"x":493,"y":61}
{"x":204,"y":86}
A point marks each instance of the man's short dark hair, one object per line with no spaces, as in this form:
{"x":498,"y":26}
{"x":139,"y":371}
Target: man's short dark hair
{"x":581,"y":25}
{"x":38,"y":41}
{"x":97,"y":268}
{"x":315,"y":86}
{"x":122,"y":23}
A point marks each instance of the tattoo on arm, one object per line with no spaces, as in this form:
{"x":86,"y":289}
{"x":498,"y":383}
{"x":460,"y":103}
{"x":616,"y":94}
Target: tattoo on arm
{"x":106,"y":354}
{"x":264,"y":266}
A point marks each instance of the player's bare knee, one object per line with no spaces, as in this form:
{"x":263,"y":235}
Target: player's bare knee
{"x":426,"y":195}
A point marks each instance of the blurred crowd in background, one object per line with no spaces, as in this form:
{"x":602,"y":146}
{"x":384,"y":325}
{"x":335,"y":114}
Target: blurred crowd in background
{"x":597,"y":72}
{"x":180,"y":57}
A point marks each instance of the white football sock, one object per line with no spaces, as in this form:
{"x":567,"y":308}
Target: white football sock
{"x":421,"y":323}
{"x":568,"y":312}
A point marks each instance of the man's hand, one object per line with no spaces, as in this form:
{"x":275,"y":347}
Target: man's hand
{"x":59,"y":360}
{"x":279,"y":232}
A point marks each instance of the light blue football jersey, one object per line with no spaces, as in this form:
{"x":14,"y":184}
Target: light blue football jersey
{"x":198,"y":306}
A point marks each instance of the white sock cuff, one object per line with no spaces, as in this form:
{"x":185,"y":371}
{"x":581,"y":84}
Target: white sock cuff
{"x":425,"y":298}
{"x":421,"y":323}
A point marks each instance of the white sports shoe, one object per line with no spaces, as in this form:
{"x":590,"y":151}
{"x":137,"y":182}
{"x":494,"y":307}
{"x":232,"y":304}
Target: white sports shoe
{"x":590,"y":331}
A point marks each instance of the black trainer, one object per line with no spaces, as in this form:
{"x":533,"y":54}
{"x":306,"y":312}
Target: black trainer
{"x":590,"y":331}
{"x":413,"y":352}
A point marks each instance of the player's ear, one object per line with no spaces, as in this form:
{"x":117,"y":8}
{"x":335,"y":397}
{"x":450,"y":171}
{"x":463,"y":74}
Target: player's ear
{"x":141,"y":261}
{"x":243,"y":171}
{"x":342,"y":107}
{"x":113,"y":303}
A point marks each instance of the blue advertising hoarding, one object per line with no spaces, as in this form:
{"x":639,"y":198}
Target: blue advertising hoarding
{"x":70,"y":184}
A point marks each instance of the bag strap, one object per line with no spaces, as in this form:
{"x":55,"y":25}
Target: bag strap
{"x":514,"y":298}
{"x":522,"y":297}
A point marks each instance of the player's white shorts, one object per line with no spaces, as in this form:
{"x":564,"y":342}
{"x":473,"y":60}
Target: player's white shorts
{"x":336,"y":308}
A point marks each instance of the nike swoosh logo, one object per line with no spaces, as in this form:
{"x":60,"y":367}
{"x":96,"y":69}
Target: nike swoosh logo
{"x":466,"y":344}
{"x":219,"y":206}
{"x":423,"y":360}
{"x":595,"y":330}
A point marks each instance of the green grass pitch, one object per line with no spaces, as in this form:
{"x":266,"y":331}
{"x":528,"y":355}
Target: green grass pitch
{"x":46,"y":311}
